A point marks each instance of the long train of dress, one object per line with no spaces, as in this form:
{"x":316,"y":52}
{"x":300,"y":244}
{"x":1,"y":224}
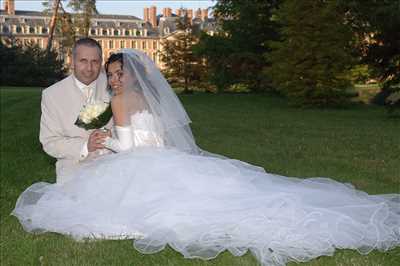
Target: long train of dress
{"x":202,"y":205}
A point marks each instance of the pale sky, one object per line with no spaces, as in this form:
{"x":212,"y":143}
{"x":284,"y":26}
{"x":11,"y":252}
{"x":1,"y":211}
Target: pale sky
{"x":123,"y":7}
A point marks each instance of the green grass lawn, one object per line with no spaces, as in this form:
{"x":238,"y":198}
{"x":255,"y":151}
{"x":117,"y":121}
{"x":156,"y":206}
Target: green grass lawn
{"x":358,"y":145}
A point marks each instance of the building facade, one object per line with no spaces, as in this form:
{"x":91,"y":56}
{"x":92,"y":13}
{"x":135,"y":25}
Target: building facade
{"x":113,"y":32}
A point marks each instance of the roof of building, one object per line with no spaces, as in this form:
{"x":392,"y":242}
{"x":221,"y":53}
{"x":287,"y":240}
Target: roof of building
{"x":23,"y":13}
{"x":98,"y":16}
{"x":166,"y":26}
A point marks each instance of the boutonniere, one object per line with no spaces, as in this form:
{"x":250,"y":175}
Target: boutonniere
{"x":94,"y":116}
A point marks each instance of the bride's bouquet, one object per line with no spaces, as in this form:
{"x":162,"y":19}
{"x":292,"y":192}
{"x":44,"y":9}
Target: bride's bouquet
{"x":94,"y":116}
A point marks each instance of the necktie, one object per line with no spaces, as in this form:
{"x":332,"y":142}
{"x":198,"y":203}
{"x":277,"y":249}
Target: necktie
{"x":88,"y":94}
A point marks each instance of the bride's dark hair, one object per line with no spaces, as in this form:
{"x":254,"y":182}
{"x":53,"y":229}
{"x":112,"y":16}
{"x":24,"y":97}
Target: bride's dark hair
{"x":117,"y":57}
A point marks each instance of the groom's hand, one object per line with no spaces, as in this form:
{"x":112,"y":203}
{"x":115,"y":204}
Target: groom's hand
{"x":96,"y":140}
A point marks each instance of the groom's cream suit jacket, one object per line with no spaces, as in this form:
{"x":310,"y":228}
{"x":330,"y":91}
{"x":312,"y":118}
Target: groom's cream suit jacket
{"x":60,"y":137}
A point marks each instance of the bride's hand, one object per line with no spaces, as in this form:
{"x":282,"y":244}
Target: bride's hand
{"x":96,"y":140}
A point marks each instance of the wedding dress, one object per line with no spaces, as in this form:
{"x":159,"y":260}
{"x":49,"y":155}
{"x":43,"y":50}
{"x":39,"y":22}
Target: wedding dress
{"x":202,"y":205}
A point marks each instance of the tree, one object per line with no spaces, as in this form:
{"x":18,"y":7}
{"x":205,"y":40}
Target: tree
{"x":53,"y":21}
{"x":218,"y":53}
{"x":83,"y":12}
{"x":181,"y":65}
{"x":377,"y":24}
{"x":233,"y":54}
{"x":29,"y":65}
{"x":310,"y":62}
{"x":64,"y":26}
{"x":68,"y":25}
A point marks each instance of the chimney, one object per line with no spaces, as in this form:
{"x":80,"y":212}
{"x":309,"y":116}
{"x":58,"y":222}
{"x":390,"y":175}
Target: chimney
{"x":197,"y":14}
{"x":9,"y":7}
{"x":153,"y":16}
{"x":146,"y":14}
{"x":204,"y":14}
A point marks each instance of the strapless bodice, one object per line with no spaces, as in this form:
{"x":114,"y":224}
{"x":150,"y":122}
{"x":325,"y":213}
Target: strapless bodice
{"x":146,"y":130}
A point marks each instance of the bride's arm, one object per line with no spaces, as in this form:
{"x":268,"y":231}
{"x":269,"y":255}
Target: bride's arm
{"x":119,"y":110}
{"x":123,"y":140}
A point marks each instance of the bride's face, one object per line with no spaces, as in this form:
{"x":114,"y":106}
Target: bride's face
{"x":119,"y":78}
{"x":115,"y":76}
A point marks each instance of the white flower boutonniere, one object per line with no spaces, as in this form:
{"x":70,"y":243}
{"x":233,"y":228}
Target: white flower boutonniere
{"x":93,"y":116}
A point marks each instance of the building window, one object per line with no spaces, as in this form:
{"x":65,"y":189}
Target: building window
{"x":44,"y":30}
{"x":93,"y":31}
{"x":31,"y":30}
{"x":111,"y":44}
{"x":40,"y":42}
{"x":104,"y":32}
{"x":138,"y":33}
{"x":133,"y":44}
{"x":6,"y":29}
{"x":155,"y":45}
{"x":116,"y":32}
{"x":122,"y":44}
{"x":144,"y":45}
{"x":19,"y":29}
{"x":127,"y":33}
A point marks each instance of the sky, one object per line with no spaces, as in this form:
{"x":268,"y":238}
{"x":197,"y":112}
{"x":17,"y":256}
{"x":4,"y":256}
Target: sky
{"x":123,"y":7}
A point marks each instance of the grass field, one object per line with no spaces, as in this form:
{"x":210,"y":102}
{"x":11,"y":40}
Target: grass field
{"x":358,"y":145}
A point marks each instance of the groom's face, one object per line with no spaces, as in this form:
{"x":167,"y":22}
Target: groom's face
{"x":87,"y":64}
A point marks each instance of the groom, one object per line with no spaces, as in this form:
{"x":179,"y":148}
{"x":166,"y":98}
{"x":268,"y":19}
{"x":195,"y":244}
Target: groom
{"x":61,"y":104}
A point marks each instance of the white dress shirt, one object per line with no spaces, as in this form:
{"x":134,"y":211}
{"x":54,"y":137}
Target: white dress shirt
{"x":88,"y":92}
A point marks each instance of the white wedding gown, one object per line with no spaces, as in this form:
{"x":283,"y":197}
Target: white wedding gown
{"x":203,"y":205}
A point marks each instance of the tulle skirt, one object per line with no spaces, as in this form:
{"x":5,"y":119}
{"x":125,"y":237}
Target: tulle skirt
{"x":203,"y":205}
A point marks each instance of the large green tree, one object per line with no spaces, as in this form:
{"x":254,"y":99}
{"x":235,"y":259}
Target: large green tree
{"x":377,"y":23}
{"x":182,"y":66}
{"x":311,"y":61}
{"x":234,"y":53}
{"x":28,"y":65}
{"x":219,"y":55}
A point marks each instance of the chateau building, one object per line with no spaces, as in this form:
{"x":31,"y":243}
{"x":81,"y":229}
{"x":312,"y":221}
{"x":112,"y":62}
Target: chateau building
{"x":113,"y":32}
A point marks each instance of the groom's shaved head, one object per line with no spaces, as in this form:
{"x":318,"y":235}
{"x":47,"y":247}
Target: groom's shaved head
{"x":87,"y":42}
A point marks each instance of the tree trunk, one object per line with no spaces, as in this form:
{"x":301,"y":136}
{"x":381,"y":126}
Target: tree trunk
{"x":52,"y":27}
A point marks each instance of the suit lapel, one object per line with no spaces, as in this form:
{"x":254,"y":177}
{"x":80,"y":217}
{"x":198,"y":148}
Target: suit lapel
{"x":76,"y":92}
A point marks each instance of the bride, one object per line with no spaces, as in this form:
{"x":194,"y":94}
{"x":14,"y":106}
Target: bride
{"x":159,"y":188}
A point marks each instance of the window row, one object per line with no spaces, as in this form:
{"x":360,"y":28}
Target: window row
{"x":115,"y":44}
{"x":38,"y":41}
{"x":116,"y":32}
{"x":24,"y":30}
{"x":44,"y":30}
{"x":153,"y":56}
